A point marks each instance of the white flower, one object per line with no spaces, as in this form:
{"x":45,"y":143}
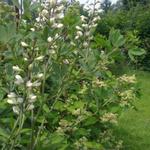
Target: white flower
{"x":39,"y":58}
{"x":94,"y":25}
{"x":85,"y":25}
{"x":85,"y":44}
{"x":32,"y":29}
{"x":66,"y":61}
{"x":52,"y":19}
{"x":49,"y":39}
{"x":60,"y":25}
{"x":52,"y":51}
{"x":40,"y":75}
{"x":29,"y":84}
{"x":32,"y":98}
{"x":72,"y":43}
{"x":38,"y":19}
{"x":25,"y":59}
{"x":30,"y":107}
{"x":37,"y":49}
{"x":56,"y":36}
{"x":55,"y":46}
{"x":23,"y":44}
{"x":11,"y":101}
{"x":11,"y":95}
{"x":19,"y":80}
{"x":78,"y":28}
{"x":44,"y":12}
{"x":16,"y":68}
{"x":96,"y":19}
{"x":76,"y":37}
{"x":79,"y":33}
{"x":16,"y":109}
{"x":83,"y":18}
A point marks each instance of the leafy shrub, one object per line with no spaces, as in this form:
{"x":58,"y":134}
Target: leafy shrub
{"x":128,"y":21}
{"x":57,"y":90}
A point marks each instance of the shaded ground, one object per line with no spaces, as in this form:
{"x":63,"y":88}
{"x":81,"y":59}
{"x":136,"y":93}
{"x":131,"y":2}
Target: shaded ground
{"x":134,"y":126}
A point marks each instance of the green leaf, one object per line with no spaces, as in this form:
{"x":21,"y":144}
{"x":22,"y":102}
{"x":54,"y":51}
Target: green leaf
{"x":3,"y":133}
{"x":59,"y":106}
{"x":90,"y":121}
{"x":2,"y":94}
{"x":8,"y":32}
{"x":46,"y":108}
{"x":137,"y":51}
{"x":93,"y":145}
{"x":116,"y":38}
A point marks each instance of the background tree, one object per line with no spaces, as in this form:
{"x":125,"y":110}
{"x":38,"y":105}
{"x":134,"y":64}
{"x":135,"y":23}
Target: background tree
{"x":106,"y":5}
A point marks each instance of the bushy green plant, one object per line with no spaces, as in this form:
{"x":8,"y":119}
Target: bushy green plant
{"x":128,"y":21}
{"x":56,"y":89}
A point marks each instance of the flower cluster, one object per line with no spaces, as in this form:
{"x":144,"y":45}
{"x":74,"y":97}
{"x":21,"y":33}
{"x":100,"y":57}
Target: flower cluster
{"x":127,"y":79}
{"x":80,"y":143}
{"x":109,"y":117}
{"x":99,"y":83}
{"x":15,"y":100}
{"x":85,"y":29}
{"x":27,"y":82}
{"x":126,"y":97}
{"x":51,"y":13}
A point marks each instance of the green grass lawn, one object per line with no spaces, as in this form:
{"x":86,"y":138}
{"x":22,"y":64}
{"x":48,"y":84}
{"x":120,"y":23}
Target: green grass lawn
{"x":134,"y":126}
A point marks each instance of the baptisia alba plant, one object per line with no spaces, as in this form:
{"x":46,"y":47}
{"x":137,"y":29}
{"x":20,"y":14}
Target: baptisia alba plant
{"x":57,"y":89}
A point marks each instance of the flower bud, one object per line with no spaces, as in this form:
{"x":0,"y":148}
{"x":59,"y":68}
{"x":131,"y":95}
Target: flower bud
{"x":30,"y":107}
{"x":79,"y":33}
{"x":32,"y":98}
{"x":16,"y":109}
{"x":59,"y":26}
{"x":49,"y":39}
{"x":44,"y":12}
{"x":83,"y":18}
{"x":23,"y":44}
{"x":29,"y":84}
{"x":19,"y":80}
{"x":40,"y":75}
{"x":66,"y":61}
{"x":11,"y":95}
{"x":16,"y":68}
{"x":78,"y":28}
{"x":39,"y":58}
{"x":85,"y":44}
{"x":11,"y":101}
{"x":32,"y":29}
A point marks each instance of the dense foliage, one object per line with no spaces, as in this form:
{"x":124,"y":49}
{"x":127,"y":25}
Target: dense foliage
{"x":57,"y":90}
{"x":131,"y":17}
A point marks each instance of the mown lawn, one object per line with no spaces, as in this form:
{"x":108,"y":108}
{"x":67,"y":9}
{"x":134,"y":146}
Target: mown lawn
{"x":134,"y":126}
